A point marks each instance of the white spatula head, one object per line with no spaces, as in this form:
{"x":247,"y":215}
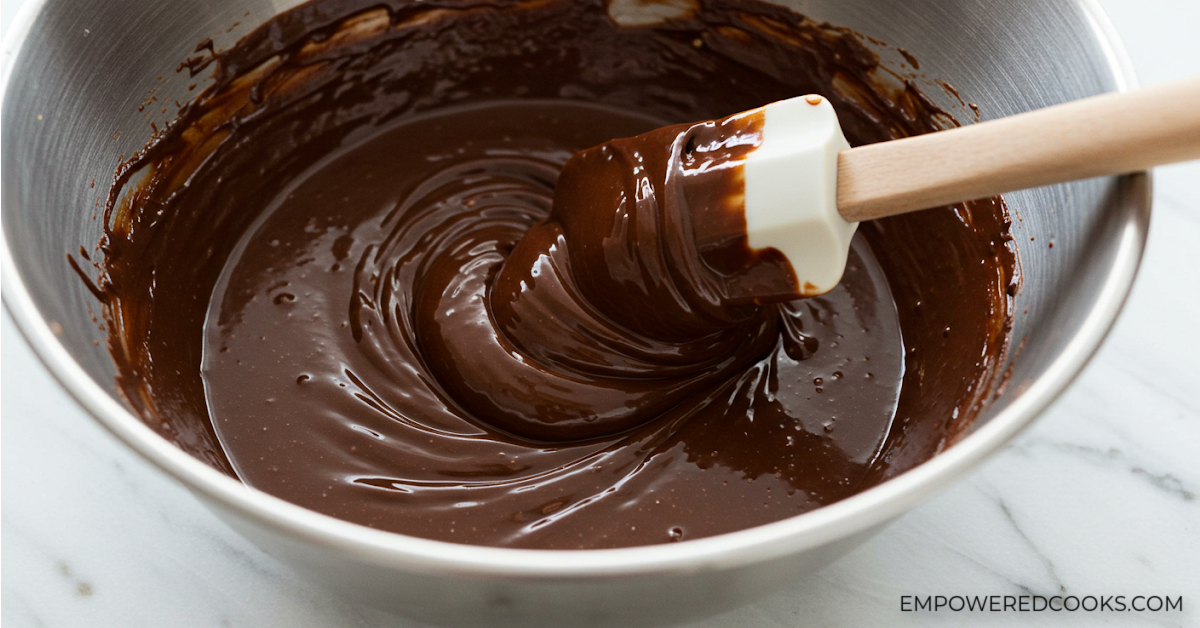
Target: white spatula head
{"x":791,"y":191}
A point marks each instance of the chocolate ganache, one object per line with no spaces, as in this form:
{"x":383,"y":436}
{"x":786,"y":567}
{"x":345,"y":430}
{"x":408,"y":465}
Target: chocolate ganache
{"x":351,"y":275}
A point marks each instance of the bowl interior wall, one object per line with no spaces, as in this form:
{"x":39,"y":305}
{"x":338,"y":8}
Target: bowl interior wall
{"x":71,"y":111}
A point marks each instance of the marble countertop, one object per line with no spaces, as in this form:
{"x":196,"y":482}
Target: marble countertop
{"x":1099,"y":497}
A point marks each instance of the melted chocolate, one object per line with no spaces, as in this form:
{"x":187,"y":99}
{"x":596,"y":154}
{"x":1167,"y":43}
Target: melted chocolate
{"x":542,"y":340}
{"x":346,"y":275}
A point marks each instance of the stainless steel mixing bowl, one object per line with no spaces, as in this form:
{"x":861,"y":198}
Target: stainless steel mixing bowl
{"x":76,"y":72}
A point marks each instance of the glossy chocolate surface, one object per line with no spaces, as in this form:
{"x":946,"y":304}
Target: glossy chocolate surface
{"x":346,"y":276}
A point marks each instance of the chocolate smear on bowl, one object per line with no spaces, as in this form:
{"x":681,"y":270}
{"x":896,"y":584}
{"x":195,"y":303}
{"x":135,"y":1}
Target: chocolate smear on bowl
{"x":348,"y":276}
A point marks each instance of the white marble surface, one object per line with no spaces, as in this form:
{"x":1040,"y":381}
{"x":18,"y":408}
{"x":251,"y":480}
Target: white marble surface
{"x":1098,"y":498}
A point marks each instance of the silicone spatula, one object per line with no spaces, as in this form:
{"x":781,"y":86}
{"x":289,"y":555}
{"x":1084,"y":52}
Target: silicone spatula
{"x":803,"y":149}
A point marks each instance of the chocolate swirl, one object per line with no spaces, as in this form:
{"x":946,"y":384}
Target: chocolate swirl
{"x":347,"y":275}
{"x":566,"y":356}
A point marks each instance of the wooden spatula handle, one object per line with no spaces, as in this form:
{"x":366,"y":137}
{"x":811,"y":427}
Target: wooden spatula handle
{"x":1103,"y":135}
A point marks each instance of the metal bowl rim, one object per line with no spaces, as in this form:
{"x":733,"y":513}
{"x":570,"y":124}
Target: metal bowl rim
{"x":853,"y":515}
